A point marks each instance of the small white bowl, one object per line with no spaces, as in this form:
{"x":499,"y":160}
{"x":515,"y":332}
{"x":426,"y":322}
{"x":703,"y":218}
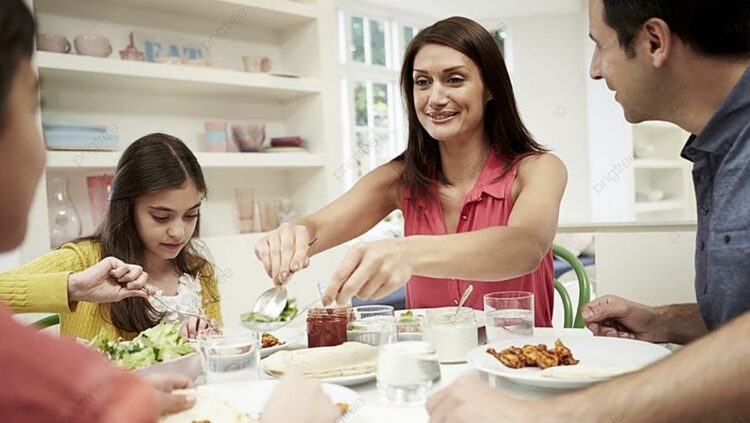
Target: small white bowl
{"x":189,"y":365}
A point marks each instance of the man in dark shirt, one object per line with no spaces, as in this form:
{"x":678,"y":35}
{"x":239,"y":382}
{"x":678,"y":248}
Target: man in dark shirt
{"x":696,"y":76}
{"x":683,"y":61}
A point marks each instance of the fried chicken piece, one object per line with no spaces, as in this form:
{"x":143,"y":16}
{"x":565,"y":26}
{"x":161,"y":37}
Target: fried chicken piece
{"x":531,"y":354}
{"x":564,"y":354}
{"x":547,"y":359}
{"x":512,"y":357}
{"x":268,"y":340}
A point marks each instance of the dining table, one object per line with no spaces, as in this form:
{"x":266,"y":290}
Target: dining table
{"x":372,"y":408}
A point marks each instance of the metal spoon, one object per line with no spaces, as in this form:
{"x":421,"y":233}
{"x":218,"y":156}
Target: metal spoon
{"x":464,"y":297}
{"x":272,"y":302}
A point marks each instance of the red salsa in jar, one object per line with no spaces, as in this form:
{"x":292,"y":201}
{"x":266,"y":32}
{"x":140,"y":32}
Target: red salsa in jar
{"x":326,"y":327}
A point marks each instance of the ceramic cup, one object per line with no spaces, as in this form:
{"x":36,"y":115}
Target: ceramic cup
{"x":257,"y":63}
{"x":56,"y":43}
{"x":93,"y":45}
{"x":248,"y":137}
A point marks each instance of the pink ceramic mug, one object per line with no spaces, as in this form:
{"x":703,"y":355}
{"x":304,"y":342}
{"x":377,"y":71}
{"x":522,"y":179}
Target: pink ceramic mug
{"x":56,"y":43}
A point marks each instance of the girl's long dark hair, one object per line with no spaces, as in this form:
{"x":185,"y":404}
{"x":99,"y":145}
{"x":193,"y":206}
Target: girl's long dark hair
{"x":508,"y":137}
{"x":152,"y":163}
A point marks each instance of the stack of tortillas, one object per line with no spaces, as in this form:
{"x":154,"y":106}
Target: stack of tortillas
{"x":347,"y":359}
{"x":207,"y":408}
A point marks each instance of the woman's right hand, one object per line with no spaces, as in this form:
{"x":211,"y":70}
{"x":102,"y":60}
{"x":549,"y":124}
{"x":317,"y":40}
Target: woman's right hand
{"x":284,"y":251}
{"x":109,"y":281}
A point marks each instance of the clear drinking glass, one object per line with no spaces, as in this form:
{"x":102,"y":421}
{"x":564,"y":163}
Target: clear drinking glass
{"x":509,"y":314}
{"x":367,"y":323}
{"x":231,"y":356}
{"x":407,"y":370}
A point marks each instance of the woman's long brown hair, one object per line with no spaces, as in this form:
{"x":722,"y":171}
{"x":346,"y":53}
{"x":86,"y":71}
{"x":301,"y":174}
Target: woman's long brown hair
{"x":152,"y":163}
{"x":508,"y":136}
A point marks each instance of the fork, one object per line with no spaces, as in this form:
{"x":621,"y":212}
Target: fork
{"x":211,"y":327}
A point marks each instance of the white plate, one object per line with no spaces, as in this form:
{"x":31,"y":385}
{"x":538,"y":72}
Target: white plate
{"x":251,"y":397}
{"x":350,"y":380}
{"x":595,"y":353}
{"x":189,"y":365}
{"x":343,"y":380}
{"x":288,"y":335}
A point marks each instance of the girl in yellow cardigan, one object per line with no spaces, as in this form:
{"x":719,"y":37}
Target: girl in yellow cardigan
{"x":145,"y":244}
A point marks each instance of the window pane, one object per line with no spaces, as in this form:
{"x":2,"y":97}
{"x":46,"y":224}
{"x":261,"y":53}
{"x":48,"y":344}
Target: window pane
{"x":362,"y":148}
{"x":360,"y":103}
{"x":408,"y":35}
{"x":380,"y":104}
{"x":358,"y":39}
{"x":377,"y":40}
{"x":499,"y":35}
{"x":383,"y":145}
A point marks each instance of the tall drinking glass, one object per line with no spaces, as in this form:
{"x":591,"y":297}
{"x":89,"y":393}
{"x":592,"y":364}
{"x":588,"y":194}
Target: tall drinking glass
{"x":407,"y":370}
{"x":509,"y":314}
{"x":231,"y":356}
{"x":367,"y":323}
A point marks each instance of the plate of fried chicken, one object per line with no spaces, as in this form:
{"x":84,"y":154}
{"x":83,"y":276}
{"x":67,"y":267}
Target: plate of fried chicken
{"x":564,"y":363}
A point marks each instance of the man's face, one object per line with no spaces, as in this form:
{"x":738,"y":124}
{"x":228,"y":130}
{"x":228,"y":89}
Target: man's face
{"x":22,"y":156}
{"x":632,"y":79}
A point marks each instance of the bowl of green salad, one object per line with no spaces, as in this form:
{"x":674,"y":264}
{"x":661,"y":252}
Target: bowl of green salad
{"x":160,"y":349}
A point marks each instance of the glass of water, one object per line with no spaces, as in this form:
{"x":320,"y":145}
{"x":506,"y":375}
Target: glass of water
{"x":231,"y":356}
{"x":407,"y":369}
{"x":367,"y":322}
{"x":509,"y":314}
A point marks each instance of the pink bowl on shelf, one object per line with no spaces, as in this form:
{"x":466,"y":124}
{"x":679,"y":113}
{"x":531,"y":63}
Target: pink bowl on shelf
{"x":248,"y":137}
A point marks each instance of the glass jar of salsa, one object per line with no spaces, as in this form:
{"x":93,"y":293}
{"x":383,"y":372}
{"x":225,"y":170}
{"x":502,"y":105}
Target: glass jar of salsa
{"x":326,"y":327}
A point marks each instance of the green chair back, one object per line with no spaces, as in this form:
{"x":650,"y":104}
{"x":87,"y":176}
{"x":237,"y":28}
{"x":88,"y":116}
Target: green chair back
{"x":48,"y":321}
{"x":584,"y":288}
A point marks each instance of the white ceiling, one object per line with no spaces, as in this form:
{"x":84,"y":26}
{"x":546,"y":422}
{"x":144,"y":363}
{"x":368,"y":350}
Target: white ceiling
{"x":480,"y":10}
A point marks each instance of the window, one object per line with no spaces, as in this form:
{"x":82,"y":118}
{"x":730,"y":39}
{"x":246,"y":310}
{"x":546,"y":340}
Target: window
{"x":372,"y":48}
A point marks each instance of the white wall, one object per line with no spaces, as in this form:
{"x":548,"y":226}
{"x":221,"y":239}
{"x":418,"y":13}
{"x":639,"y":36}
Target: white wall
{"x":610,"y":150}
{"x":549,"y":79}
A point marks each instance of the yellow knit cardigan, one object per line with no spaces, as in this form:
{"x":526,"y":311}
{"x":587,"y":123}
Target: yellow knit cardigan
{"x":42,"y":286}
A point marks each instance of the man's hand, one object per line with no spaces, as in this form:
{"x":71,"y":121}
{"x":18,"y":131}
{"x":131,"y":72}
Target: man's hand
{"x":614,"y":316}
{"x":166,"y":401}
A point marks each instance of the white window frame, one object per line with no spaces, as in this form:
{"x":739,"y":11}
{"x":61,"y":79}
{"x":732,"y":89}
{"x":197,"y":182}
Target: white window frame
{"x":389,"y":74}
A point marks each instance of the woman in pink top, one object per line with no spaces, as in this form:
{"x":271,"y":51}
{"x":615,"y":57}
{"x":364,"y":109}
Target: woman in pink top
{"x":480,"y":196}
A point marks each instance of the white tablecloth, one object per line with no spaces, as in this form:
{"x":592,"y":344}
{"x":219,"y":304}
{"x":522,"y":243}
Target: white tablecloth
{"x":375,"y":410}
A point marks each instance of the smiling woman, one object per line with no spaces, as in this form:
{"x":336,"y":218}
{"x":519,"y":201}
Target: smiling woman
{"x":480,"y":196}
{"x":151,"y":222}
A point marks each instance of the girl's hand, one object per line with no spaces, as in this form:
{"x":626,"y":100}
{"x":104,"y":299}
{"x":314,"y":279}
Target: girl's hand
{"x":109,"y":281}
{"x":370,"y":270}
{"x":192,"y":326}
{"x":284,"y":251}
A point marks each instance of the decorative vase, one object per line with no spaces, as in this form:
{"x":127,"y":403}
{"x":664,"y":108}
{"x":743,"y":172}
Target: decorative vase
{"x":64,"y":221}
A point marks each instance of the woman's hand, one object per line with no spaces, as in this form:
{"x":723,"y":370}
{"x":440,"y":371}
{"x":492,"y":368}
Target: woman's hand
{"x":192,"y":326}
{"x":370,"y":270}
{"x":166,"y":401}
{"x":109,"y":281}
{"x":284,"y":251}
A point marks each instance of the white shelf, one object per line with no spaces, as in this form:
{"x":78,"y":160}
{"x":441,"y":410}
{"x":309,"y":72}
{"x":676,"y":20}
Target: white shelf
{"x":117,"y":75}
{"x":71,"y":160}
{"x":657,"y":206}
{"x":270,"y":14}
{"x":659,"y":164}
